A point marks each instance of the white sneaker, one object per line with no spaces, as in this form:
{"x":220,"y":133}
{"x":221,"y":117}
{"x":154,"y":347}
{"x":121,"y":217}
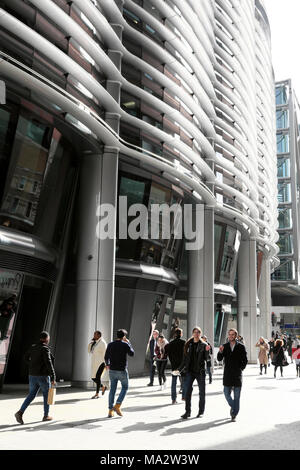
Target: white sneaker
{"x":161,"y":387}
{"x":165,"y":385}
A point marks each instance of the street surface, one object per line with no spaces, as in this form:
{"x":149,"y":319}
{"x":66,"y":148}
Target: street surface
{"x":269,"y":418}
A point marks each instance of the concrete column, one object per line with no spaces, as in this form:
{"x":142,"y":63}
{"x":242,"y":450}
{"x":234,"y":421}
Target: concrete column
{"x":264,"y":295}
{"x":247,"y":297}
{"x":201,"y":307}
{"x":96,"y":258}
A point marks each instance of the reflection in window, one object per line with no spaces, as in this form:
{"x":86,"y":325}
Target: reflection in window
{"x":285,"y":218}
{"x":281,"y":95}
{"x":284,"y":192}
{"x":283,"y":143}
{"x":282,"y":121}
{"x":27,"y":164}
{"x":283,"y":167}
{"x":285,"y":243}
{"x":285,"y":271}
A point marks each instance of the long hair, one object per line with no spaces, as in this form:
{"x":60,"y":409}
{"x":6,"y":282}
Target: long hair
{"x":278,"y":342}
{"x":191,"y":339}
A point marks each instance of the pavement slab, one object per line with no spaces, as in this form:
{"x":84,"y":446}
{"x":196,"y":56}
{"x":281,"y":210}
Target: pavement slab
{"x":269,"y":418}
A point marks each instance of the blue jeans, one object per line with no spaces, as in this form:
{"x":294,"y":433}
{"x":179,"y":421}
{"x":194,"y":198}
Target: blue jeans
{"x":173,"y":386}
{"x":37,"y":382}
{"x":188,"y":387}
{"x":114,"y":377}
{"x":235,"y":402}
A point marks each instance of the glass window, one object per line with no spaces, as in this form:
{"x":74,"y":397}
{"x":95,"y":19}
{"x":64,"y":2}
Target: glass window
{"x":283,"y":167}
{"x":284,"y":192}
{"x":281,"y":95}
{"x":285,"y":271}
{"x":285,"y":218}
{"x":285,"y":243}
{"x":283,"y":142}
{"x":282,"y":119}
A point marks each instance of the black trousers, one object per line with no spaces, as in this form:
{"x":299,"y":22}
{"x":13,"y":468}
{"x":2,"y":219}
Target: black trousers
{"x":161,"y":367}
{"x":152,"y":370}
{"x":97,"y":379}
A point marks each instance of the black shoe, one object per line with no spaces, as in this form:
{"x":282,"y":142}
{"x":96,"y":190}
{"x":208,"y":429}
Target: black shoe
{"x":150,"y":385}
{"x":233,"y":418}
{"x":18,"y":416}
{"x":199,"y":415}
{"x":186,"y":415}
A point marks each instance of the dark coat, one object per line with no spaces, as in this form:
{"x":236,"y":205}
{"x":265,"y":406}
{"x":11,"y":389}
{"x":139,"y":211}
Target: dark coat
{"x":235,"y":363}
{"x":151,"y":346}
{"x":278,"y":356}
{"x":40,"y":361}
{"x":202,"y":356}
{"x":175,"y":352}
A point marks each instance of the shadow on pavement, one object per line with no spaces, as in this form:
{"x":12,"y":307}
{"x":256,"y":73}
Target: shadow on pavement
{"x":283,"y":437}
{"x":53,"y":425}
{"x":161,"y":425}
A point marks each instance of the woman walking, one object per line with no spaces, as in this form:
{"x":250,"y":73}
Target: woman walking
{"x":96,"y":349}
{"x":263,"y":346}
{"x":196,"y":356}
{"x":278,"y":356}
{"x":161,"y":358}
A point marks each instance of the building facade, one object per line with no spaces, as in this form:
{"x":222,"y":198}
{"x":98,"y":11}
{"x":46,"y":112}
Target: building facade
{"x":161,"y":102}
{"x":285,"y":279}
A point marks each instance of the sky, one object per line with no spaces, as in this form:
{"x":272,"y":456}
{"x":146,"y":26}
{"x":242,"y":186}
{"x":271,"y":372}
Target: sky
{"x":284,"y":18}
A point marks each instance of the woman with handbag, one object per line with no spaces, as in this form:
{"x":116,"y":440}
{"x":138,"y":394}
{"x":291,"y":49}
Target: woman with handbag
{"x":263,"y":354}
{"x":279,"y":359}
{"x":161,"y":358}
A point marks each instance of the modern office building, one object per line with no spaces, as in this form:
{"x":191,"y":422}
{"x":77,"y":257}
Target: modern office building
{"x":286,"y":277}
{"x":159,"y":101}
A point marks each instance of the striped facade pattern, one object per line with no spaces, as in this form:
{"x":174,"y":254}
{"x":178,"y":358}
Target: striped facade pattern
{"x":210,"y":62}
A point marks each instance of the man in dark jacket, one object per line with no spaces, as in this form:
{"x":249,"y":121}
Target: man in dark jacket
{"x":152,"y":346}
{"x":41,"y":372}
{"x":196,"y":354}
{"x":174,"y":350}
{"x":116,"y":361}
{"x":235,"y":358}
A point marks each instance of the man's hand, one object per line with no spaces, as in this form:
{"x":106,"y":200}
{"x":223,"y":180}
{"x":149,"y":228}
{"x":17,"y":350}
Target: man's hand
{"x":53,"y":383}
{"x":207,"y":348}
{"x":107,"y":367}
{"x":221,"y":348}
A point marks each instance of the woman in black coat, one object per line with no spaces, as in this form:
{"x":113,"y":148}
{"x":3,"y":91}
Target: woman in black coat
{"x":278,"y":356}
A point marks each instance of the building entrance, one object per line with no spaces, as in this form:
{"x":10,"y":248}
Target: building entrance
{"x":30,"y":321}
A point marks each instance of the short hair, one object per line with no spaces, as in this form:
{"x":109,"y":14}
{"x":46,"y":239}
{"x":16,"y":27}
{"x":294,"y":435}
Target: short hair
{"x":161,"y":335}
{"x":233,"y":329}
{"x":44,"y":335}
{"x":121,"y":333}
{"x":178,"y":332}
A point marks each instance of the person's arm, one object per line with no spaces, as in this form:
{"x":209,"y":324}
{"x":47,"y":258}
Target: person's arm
{"x":130,"y":350}
{"x":220,"y":355}
{"x":244,"y":359}
{"x":107,"y":356}
{"x":48,"y":362}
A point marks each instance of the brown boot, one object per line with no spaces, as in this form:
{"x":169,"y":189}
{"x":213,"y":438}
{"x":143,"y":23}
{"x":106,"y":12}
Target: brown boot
{"x":18,"y":416}
{"x":110,"y":413}
{"x":47,"y":418}
{"x":117,"y":409}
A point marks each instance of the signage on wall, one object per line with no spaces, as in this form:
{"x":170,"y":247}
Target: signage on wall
{"x":9,"y":281}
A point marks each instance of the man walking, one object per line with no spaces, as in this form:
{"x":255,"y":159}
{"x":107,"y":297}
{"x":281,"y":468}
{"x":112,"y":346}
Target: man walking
{"x":235,"y":358}
{"x":174,"y":350}
{"x":116,"y":362}
{"x":41,"y":372}
{"x":152,"y":346}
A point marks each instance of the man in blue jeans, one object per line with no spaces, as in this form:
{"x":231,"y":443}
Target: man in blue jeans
{"x":41,"y":372}
{"x":116,"y":362}
{"x":235,"y":358}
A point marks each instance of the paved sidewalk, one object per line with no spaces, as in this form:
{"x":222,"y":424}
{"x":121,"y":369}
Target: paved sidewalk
{"x":269,"y":418}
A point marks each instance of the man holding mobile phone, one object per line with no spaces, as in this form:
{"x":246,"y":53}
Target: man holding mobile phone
{"x":116,"y":362}
{"x":235,"y":358}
